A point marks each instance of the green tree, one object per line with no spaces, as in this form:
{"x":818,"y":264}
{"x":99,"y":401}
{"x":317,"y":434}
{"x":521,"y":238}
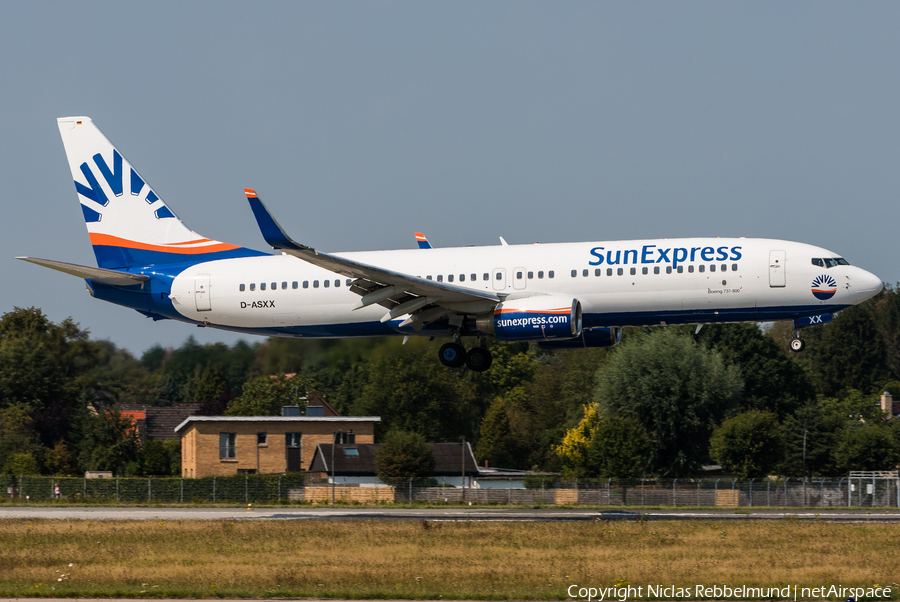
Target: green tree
{"x":749,"y":444}
{"x":849,"y":353}
{"x":821,"y":431}
{"x":867,"y":447}
{"x":161,"y":458}
{"x":411,"y":391}
{"x":213,"y":391}
{"x":20,"y":464}
{"x":264,"y":396}
{"x":402,"y":456}
{"x":772,"y":381}
{"x":108,"y":442}
{"x":619,"y":449}
{"x":507,"y":434}
{"x":59,"y":460}
{"x":678,"y":390}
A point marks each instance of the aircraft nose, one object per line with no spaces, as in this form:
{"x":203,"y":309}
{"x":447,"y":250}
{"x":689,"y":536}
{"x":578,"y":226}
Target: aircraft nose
{"x":867,"y":285}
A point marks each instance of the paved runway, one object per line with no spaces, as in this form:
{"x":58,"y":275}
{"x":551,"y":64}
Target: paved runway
{"x":441,"y":514}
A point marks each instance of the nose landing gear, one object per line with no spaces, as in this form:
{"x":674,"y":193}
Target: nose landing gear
{"x":797,"y":344}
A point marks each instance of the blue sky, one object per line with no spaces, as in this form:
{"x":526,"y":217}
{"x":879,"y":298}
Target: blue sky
{"x":360,"y":123}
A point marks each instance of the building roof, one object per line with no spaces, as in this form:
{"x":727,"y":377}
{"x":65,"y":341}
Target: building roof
{"x":449,"y":459}
{"x":193,"y":419}
{"x":156,"y":422}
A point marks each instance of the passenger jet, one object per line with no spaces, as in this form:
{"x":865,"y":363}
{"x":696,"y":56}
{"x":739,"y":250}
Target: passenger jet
{"x":567,"y":295}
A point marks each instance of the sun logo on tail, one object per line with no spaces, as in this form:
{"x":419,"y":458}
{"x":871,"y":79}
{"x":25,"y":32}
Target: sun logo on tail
{"x":824,"y":287}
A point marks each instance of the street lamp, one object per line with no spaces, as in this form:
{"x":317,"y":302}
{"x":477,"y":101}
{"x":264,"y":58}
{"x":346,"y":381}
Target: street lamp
{"x":804,"y":466}
{"x":463,"y":466}
{"x":333,"y":445}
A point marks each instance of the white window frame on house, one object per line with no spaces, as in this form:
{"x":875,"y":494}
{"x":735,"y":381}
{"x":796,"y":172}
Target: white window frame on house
{"x":228,"y":446}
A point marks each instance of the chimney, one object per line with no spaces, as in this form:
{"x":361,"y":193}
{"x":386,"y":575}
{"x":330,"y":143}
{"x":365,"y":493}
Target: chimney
{"x":887,"y":404}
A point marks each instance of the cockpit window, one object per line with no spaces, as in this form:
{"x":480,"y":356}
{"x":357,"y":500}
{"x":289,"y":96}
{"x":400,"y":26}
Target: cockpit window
{"x":830,"y":262}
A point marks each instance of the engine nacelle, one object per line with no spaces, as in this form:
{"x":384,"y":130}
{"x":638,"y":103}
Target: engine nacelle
{"x":598,"y":337}
{"x":533,"y":319}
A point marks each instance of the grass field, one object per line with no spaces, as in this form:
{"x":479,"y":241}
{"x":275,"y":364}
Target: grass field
{"x":430,"y":560}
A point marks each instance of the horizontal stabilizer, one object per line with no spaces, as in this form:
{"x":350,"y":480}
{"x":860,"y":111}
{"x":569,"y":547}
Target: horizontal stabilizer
{"x":88,"y":273}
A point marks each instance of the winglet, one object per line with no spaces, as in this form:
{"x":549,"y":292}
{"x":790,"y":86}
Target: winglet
{"x":423,"y":242}
{"x":272,"y":232}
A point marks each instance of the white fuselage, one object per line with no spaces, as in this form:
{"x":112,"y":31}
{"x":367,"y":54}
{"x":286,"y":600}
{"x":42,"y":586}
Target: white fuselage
{"x":618,"y":283}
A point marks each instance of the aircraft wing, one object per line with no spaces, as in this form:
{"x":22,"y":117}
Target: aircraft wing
{"x":400,"y":293}
{"x":100,"y":275}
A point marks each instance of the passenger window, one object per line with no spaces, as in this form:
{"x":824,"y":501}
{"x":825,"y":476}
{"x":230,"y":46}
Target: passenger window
{"x":712,"y":268}
{"x":584,"y":273}
{"x":597,"y":272}
{"x":472,"y":277}
{"x":428,"y":278}
{"x":499,"y":276}
{"x":540,"y":274}
{"x":633,"y":271}
{"x":734,"y":267}
{"x":262,"y":286}
{"x":574,"y":273}
{"x":530,"y":275}
{"x":326,"y":283}
{"x":656,"y":269}
{"x":644,"y":271}
{"x":306,"y":284}
{"x":440,"y":277}
{"x":242,"y":288}
{"x":609,"y":271}
{"x":724,"y":267}
{"x":702,"y":268}
{"x":462,"y":277}
{"x":620,"y":272}
{"x":690,"y":269}
{"x":252,"y":286}
{"x":348,"y":282}
{"x":668,"y":269}
{"x":550,"y":274}
{"x":337,"y":283}
{"x":274,"y":286}
{"x":486,"y":277}
{"x":294,"y":284}
{"x":449,"y":277}
{"x":284,"y":286}
{"x":519,"y":275}
{"x":315,"y":284}
{"x":681,"y":269}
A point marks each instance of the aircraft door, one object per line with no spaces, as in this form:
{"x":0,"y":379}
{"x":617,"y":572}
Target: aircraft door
{"x":201,"y":292}
{"x":519,"y":280}
{"x":776,"y":268}
{"x":498,"y":277}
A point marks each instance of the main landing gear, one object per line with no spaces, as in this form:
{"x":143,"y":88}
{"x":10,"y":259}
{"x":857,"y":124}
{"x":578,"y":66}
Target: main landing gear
{"x":454,"y":355}
{"x":797,"y":343}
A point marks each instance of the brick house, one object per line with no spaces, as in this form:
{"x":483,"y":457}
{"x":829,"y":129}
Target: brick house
{"x":227,"y":445}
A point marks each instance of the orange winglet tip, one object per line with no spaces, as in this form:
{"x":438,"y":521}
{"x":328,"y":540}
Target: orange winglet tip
{"x":250,"y":193}
{"x":419,"y":236}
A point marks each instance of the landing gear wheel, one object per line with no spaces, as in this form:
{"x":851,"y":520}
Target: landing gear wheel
{"x":478,"y":359}
{"x":797,"y":345}
{"x":452,"y":355}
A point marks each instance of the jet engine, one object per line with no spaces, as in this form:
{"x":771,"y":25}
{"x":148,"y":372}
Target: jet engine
{"x":597,"y":337}
{"x":533,"y":319}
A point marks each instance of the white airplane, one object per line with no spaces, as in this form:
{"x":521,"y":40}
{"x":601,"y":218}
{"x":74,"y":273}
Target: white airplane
{"x":561,"y":295}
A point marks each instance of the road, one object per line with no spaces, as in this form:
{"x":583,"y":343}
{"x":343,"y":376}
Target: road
{"x":441,"y":514}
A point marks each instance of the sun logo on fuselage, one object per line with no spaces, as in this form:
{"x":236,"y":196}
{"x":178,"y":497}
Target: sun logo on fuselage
{"x":824,"y":287}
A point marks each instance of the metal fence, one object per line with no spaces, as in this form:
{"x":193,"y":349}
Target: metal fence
{"x":814,"y":493}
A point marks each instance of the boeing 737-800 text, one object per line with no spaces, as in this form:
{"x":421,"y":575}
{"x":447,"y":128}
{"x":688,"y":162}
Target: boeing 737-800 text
{"x":560,"y":295}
